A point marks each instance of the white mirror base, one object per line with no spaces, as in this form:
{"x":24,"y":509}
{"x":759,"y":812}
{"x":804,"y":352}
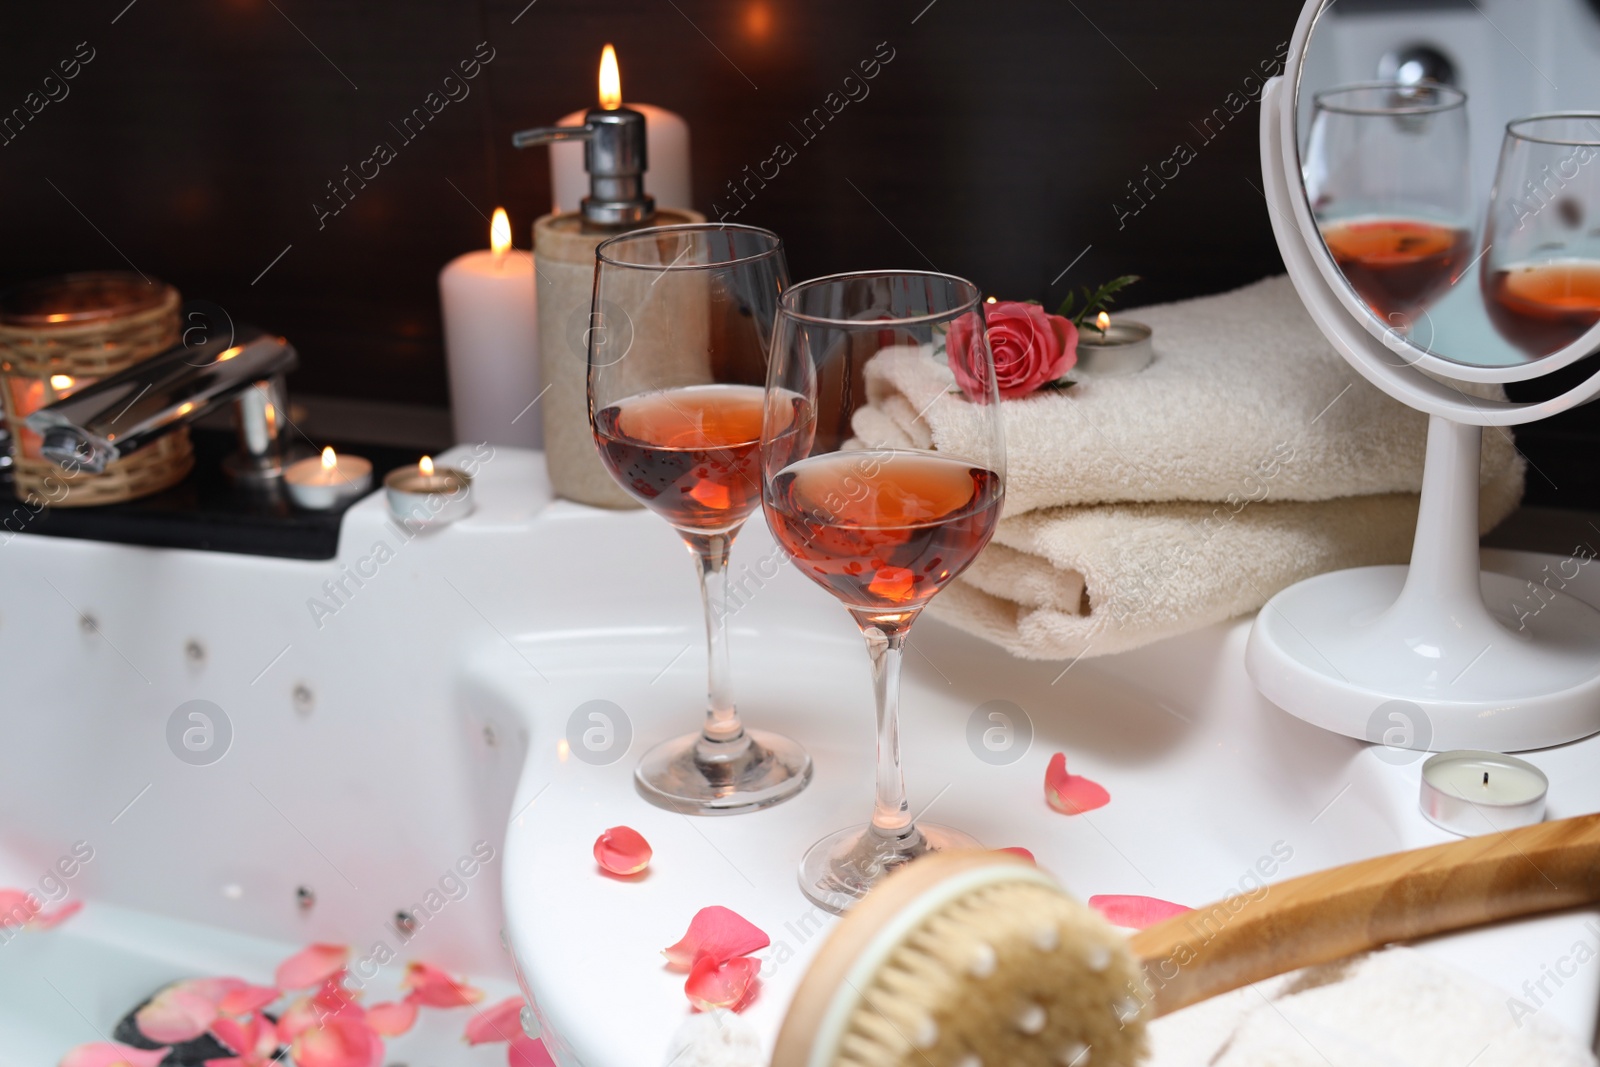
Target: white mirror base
{"x":1492,"y":662}
{"x":1334,"y":651}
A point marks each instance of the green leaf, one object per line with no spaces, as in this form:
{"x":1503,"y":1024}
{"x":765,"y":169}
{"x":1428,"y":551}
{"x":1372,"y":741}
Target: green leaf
{"x":1099,"y":300}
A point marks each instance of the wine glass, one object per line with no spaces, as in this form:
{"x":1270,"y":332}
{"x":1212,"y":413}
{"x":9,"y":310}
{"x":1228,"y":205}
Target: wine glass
{"x":866,"y":510}
{"x":677,"y":364}
{"x":1389,"y":182}
{"x":1541,"y":276}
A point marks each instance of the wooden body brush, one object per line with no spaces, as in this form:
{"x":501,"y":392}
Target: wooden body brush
{"x":980,"y":959}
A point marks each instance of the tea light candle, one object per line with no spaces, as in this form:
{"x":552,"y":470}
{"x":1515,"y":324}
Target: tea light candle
{"x":666,"y":134}
{"x":424,"y":495}
{"x":321,"y":483}
{"x":1112,"y":349}
{"x":1470,"y":793}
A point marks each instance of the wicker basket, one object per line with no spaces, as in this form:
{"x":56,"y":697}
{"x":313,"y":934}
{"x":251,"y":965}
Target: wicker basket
{"x":61,"y":334}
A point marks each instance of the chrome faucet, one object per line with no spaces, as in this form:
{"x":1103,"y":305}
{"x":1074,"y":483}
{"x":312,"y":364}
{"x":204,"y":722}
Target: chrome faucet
{"x":118,"y":415}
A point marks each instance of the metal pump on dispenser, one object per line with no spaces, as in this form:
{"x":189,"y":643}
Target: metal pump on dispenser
{"x":614,"y":154}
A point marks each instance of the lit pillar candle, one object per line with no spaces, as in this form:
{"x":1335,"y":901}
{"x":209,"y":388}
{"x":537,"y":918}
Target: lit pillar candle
{"x":666,"y":149}
{"x":491,"y":339}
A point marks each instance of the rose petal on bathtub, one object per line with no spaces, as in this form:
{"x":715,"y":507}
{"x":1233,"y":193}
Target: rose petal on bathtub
{"x":722,"y":985}
{"x":111,"y":1054}
{"x":334,"y":999}
{"x":718,"y":934}
{"x":241,"y":998}
{"x":503,"y":1022}
{"x":1071,"y":794}
{"x":299,"y":1017}
{"x":527,"y":1051}
{"x":255,"y":1043}
{"x":1134,"y":912}
{"x":427,"y":984}
{"x":180,"y":1012}
{"x":312,"y":966}
{"x":337,"y":1043}
{"x":622,"y":850}
{"x":44,"y":919}
{"x":17,"y":907}
{"x":392,"y":1018}
{"x":1018,"y":850}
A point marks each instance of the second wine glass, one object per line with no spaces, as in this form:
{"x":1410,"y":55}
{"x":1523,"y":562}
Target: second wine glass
{"x":871,"y":508}
{"x":677,"y":346}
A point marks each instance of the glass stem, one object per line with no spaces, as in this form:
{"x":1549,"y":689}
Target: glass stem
{"x":722,"y":714}
{"x":891,"y":815}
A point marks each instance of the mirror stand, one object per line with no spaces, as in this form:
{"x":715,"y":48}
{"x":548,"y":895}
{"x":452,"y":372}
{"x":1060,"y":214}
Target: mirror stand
{"x":1437,"y":655}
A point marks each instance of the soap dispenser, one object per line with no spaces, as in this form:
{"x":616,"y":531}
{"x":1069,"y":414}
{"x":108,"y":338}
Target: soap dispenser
{"x":564,"y":259}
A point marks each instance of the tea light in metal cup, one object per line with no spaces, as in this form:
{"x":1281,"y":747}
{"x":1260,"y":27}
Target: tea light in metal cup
{"x":325,"y":482}
{"x":1470,"y":793}
{"x":426,"y":495}
{"x":1113,"y":349}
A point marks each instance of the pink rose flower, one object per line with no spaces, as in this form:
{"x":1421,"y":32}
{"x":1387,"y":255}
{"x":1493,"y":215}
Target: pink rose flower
{"x":1031,"y":347}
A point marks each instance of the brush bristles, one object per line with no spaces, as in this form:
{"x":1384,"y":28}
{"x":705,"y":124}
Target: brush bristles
{"x":1014,"y":974}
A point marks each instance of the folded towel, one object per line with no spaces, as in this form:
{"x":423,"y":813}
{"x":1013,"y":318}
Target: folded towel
{"x":1067,"y":582}
{"x":1238,"y":379}
{"x":1391,"y":1007}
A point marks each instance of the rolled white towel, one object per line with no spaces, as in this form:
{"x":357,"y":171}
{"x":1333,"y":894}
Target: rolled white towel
{"x":1238,"y":379}
{"x":1067,"y":582}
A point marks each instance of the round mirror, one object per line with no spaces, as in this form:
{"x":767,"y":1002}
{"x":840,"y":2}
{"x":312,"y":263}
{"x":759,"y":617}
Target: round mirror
{"x":1436,"y":198}
{"x":1455,"y":187}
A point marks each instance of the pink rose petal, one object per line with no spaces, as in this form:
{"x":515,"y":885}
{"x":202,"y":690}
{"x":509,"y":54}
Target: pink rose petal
{"x":718,"y":934}
{"x":1018,"y":850}
{"x":1134,"y":912}
{"x":299,"y":1017}
{"x":722,"y":985}
{"x":334,"y":999}
{"x":393,"y":1018}
{"x":46,"y":918}
{"x":1071,"y":794}
{"x":527,"y":1051}
{"x":622,"y":850}
{"x":242,"y":998}
{"x":178,"y":1013}
{"x":255,"y":1042}
{"x":427,"y":984}
{"x":17,"y":908}
{"x":503,"y":1022}
{"x":312,"y":966}
{"x":111,"y":1054}
{"x":337,"y":1043}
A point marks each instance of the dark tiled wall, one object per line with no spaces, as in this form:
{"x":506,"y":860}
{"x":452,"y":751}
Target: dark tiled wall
{"x":997,"y":143}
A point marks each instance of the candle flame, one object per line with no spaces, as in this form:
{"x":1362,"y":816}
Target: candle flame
{"x":1103,"y":322}
{"x":991,"y":300}
{"x":59,"y":382}
{"x":500,"y":232}
{"x":426,"y":466}
{"x":610,"y":80}
{"x":329,"y":460}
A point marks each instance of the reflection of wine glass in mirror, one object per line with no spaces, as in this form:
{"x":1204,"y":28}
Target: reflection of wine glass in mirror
{"x":1541,"y":277}
{"x":1387,"y":174}
{"x":879,"y":522}
{"x":677,"y":373}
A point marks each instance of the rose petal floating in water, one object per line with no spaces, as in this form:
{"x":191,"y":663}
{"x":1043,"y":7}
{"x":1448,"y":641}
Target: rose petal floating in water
{"x":427,"y":984}
{"x":312,"y":966}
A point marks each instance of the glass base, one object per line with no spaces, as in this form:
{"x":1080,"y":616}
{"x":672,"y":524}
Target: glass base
{"x":838,"y":870}
{"x":695,"y":776}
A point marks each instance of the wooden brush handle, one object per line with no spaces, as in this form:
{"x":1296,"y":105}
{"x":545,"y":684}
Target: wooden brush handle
{"x":1335,"y":913}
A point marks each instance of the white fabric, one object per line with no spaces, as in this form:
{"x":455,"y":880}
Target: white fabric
{"x":1394,"y":1008}
{"x":1247,"y":457}
{"x":1238,"y":378}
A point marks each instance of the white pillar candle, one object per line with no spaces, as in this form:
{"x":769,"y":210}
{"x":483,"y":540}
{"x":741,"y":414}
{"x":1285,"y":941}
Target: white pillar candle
{"x":491,"y":340}
{"x":666,"y":149}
